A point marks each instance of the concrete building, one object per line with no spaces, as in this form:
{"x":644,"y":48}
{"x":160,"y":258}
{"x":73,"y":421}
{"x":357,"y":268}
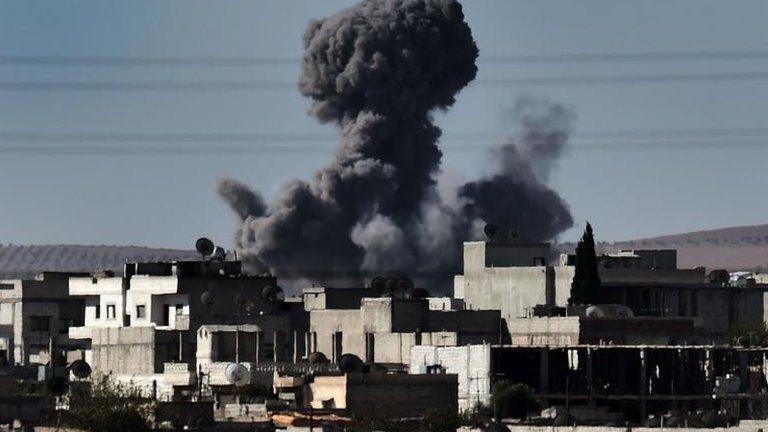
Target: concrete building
{"x":515,"y":278}
{"x":360,"y":396}
{"x":630,"y":382}
{"x":35,"y":317}
{"x":470,"y":364}
{"x":382,"y":329}
{"x":145,"y":325}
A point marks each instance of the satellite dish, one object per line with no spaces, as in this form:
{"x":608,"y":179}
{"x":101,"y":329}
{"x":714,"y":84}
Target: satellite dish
{"x":219,"y":254}
{"x":406,"y":283}
{"x":204,"y":246}
{"x":80,"y":369}
{"x":390,"y":286}
{"x":236,"y":374}
{"x":490,"y":231}
{"x":317,"y":357}
{"x":378,"y":283}
{"x":351,"y":363}
{"x":206,"y":298}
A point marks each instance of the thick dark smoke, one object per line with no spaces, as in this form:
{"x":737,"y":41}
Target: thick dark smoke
{"x":242,"y":199}
{"x":378,"y":70}
{"x":515,"y":195}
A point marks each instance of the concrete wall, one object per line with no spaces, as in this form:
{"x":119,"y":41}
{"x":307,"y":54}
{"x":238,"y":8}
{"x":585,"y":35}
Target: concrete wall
{"x":400,"y":396}
{"x":125,"y":350}
{"x":545,"y":331}
{"x":328,"y":392}
{"x":471,"y":364}
{"x":324,"y":323}
{"x":513,"y":290}
{"x":503,"y":254}
{"x":383,"y":395}
{"x":445,"y":304}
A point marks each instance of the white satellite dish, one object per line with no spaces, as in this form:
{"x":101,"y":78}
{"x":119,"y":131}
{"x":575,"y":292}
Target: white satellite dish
{"x":237,"y":374}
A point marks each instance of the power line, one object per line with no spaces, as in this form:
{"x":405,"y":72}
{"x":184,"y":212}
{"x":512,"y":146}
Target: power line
{"x":653,"y":56}
{"x":153,"y":86}
{"x":273,"y":149}
{"x":251,"y":61}
{"x":22,"y":60}
{"x":293,"y":137}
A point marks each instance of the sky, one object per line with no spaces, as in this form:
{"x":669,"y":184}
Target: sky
{"x":648,"y":156}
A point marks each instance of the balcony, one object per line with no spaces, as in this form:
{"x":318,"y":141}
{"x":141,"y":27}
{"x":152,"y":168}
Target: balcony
{"x":178,"y":374}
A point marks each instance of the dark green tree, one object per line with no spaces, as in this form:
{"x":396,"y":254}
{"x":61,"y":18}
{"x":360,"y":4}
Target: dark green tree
{"x":107,"y":406}
{"x":585,"y":288}
{"x":513,"y":400}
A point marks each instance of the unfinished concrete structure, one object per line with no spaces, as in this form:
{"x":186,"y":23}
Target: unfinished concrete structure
{"x":35,"y":317}
{"x":382,"y":328}
{"x":629,"y":381}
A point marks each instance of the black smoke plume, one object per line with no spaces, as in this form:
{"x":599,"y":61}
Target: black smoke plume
{"x":378,"y":70}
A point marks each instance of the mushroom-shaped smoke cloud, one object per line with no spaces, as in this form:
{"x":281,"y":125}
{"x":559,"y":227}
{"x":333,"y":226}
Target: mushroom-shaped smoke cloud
{"x":378,"y":70}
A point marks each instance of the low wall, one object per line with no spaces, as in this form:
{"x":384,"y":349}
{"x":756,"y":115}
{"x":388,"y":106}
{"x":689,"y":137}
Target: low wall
{"x":744,"y":426}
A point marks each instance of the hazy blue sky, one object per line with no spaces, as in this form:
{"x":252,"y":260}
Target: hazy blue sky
{"x":627,"y":188}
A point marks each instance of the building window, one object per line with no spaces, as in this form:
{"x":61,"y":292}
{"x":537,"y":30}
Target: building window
{"x":111,"y":311}
{"x":370,"y":348}
{"x":40,"y":323}
{"x":98,"y":311}
{"x":141,"y":311}
{"x":337,"y":346}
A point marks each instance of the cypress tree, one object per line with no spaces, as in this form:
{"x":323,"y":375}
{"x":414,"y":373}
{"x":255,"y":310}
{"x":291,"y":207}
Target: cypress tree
{"x":585,"y":288}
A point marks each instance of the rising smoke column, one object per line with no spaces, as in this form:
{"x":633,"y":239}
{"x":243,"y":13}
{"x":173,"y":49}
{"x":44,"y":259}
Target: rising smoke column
{"x":376,"y":70}
{"x":515,"y":194}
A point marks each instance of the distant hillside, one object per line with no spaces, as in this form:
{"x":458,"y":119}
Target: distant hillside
{"x":26,"y":261}
{"x":735,"y":248}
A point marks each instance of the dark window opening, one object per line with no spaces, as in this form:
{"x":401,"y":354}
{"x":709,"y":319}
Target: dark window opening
{"x":370,"y":349}
{"x":40,"y":323}
{"x":141,"y":311}
{"x":111,"y":311}
{"x":683,"y":303}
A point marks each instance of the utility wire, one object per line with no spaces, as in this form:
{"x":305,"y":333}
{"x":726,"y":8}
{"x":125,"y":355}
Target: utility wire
{"x":292,"y":137}
{"x":246,"y":61}
{"x":273,"y":149}
{"x":153,"y":86}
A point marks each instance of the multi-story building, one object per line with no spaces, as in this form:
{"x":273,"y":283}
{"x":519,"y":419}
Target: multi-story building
{"x":35,"y":317}
{"x":144,"y":326}
{"x":382,"y":327}
{"x":665,"y":304}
